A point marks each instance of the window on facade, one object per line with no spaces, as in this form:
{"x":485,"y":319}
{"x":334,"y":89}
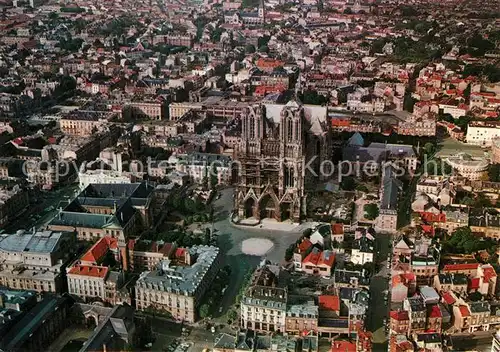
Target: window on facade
{"x":289,"y":129}
{"x":252,"y":128}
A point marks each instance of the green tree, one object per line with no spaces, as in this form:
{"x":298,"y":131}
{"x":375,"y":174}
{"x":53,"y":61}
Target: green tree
{"x":348,"y":183}
{"x":214,"y":179}
{"x":429,"y":148}
{"x":289,"y":252}
{"x":371,"y":211}
{"x":409,"y":102}
{"x":494,"y":172}
{"x":232,"y":314}
{"x":462,"y":241}
{"x":468,"y":201}
{"x":264,"y":49}
{"x":249,"y":49}
{"x":204,"y":310}
{"x":362,"y":188}
{"x":263,"y":41}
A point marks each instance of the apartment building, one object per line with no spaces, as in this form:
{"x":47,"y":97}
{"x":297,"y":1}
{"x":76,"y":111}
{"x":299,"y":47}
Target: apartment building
{"x":178,"y":289}
{"x":35,"y":260}
{"x":482,"y":132}
{"x":155,"y":110}
{"x":485,"y":222}
{"x":116,"y":210}
{"x":81,"y":123}
{"x":263,"y":307}
{"x":415,"y":306}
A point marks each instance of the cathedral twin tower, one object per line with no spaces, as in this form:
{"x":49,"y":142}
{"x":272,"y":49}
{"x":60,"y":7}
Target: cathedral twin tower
{"x":271,"y":159}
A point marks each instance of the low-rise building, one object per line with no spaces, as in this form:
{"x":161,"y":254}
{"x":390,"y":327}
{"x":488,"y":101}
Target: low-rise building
{"x":13,"y":202}
{"x":417,"y":313}
{"x":318,"y":262}
{"x":486,"y":222}
{"x":147,"y":255}
{"x":362,"y":251}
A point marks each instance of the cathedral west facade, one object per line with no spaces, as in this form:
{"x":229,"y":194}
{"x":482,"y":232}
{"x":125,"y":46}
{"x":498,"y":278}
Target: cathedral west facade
{"x":272,"y":162}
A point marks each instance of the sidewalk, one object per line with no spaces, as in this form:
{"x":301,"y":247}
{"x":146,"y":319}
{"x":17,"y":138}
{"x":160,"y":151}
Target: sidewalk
{"x":268,"y":224}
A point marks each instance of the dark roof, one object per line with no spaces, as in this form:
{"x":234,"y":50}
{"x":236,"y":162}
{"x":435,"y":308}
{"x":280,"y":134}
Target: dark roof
{"x":116,"y":326}
{"x":31,"y":322}
{"x":391,"y":189}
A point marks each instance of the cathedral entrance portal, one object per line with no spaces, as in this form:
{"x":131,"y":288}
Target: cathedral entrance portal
{"x":267,"y":208}
{"x":286,"y":212}
{"x":249,"y":207}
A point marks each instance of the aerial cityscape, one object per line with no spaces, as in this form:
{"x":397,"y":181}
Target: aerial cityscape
{"x":250,"y":175}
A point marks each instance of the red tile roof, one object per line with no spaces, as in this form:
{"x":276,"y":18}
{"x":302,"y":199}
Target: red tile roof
{"x":488,"y":273}
{"x":399,"y":315}
{"x":435,"y":312}
{"x":448,"y":298}
{"x":428,"y":229}
{"x":474,"y":283}
{"x":343,"y":346}
{"x":180,"y":252}
{"x":341,"y":122}
{"x":89,"y":270}
{"x":464,"y":311}
{"x":461,"y":267}
{"x":329,"y":302}
{"x":99,"y":249}
{"x":337,"y":229}
{"x":304,"y":245}
{"x":431,"y":217}
{"x":318,"y":258}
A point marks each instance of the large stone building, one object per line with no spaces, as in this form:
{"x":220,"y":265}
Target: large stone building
{"x":117,"y":210}
{"x":34,"y":260}
{"x":96,"y":274}
{"x":178,"y":289}
{"x":278,"y":142}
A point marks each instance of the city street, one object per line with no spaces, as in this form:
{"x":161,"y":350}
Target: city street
{"x":378,"y":310}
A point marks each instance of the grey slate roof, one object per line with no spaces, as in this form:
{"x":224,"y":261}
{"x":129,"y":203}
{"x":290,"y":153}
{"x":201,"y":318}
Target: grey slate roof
{"x":181,"y":278}
{"x":119,"y":324}
{"x":39,"y":242}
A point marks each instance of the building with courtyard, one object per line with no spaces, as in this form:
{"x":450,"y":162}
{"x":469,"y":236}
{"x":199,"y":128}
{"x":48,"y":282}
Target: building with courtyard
{"x":178,"y":284}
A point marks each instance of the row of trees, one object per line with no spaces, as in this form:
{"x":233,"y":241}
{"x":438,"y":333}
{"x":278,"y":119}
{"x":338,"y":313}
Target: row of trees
{"x":494,"y":172}
{"x":213,"y":295}
{"x":463,"y":241}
